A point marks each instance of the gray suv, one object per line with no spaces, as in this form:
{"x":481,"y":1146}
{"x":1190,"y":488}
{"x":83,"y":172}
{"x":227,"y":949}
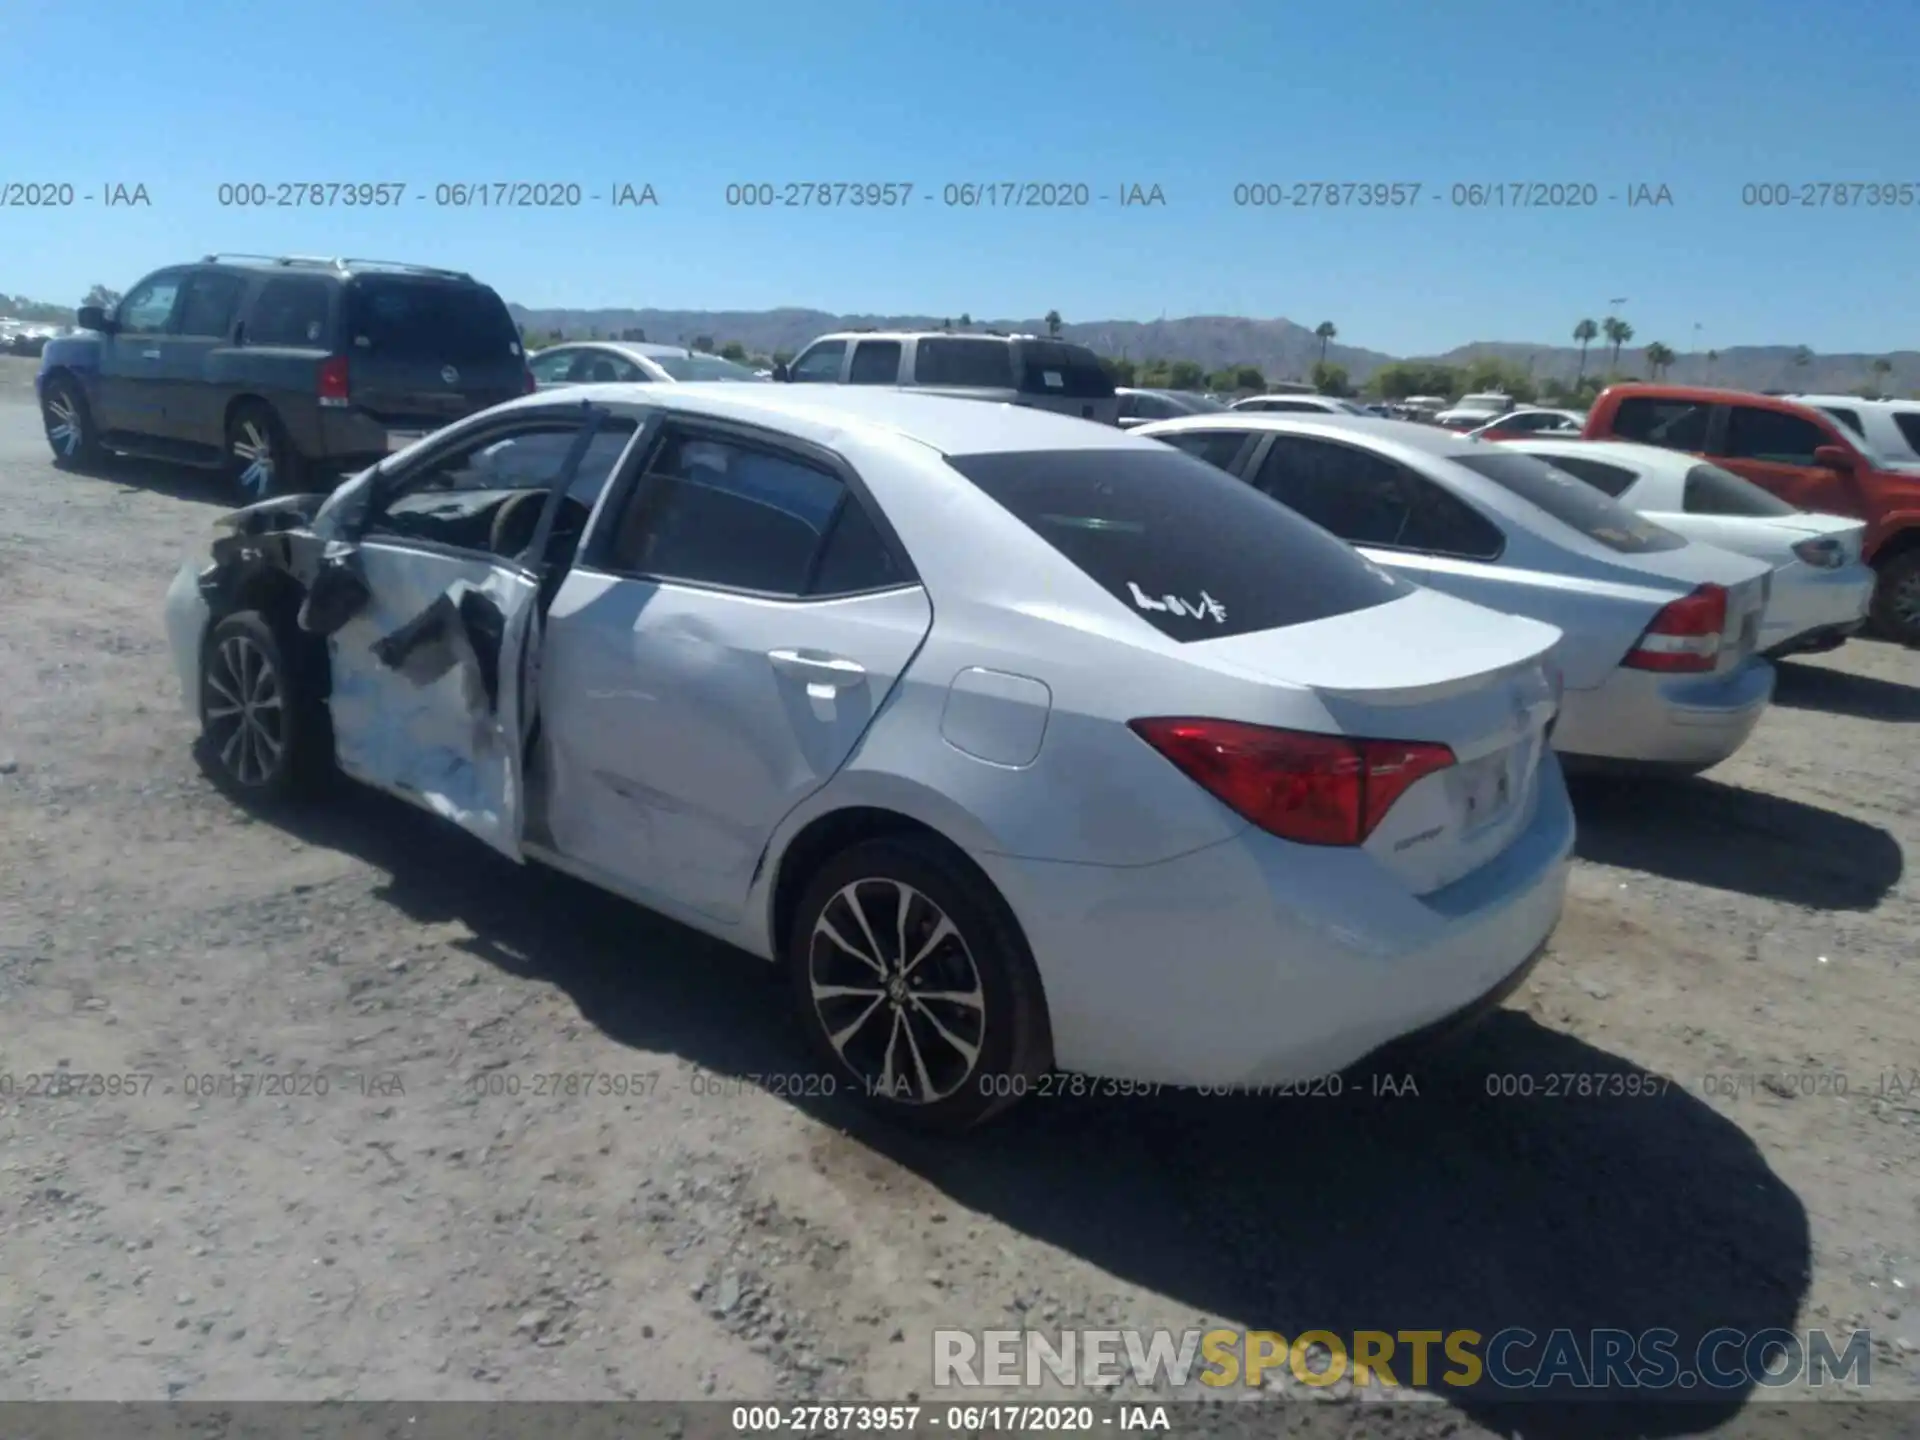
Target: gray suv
{"x":1017,"y":369}
{"x":278,"y":370}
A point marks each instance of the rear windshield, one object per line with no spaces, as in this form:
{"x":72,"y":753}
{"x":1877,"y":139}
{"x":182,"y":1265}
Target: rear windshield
{"x":701,"y":367}
{"x":955,"y":361}
{"x":1050,"y":367}
{"x":1572,"y":502}
{"x":1192,"y":551}
{"x":430,"y":320}
{"x":1713,"y":491}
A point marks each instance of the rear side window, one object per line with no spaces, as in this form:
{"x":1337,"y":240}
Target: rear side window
{"x":1772,"y":437}
{"x":1614,"y":480}
{"x":953,"y":360}
{"x":1217,"y":447}
{"x":857,"y":558}
{"x":429,"y":321}
{"x":1572,"y":502}
{"x":1713,"y":491}
{"x":713,"y":512}
{"x":1049,"y":367}
{"x":1366,"y":499}
{"x":875,"y":362}
{"x":211,"y":300}
{"x":291,"y":311}
{"x":1909,"y":424}
{"x":1673,"y":424}
{"x":1190,"y":550}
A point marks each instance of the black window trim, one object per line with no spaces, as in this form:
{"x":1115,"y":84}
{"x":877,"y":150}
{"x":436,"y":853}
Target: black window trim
{"x":628,"y":483}
{"x":1251,"y":475}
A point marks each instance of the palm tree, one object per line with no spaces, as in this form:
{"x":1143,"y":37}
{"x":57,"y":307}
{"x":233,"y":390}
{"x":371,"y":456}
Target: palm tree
{"x":1659,"y":357}
{"x":1583,"y":336}
{"x":1618,"y":332}
{"x":1326,"y":331}
{"x":1053,"y":322}
{"x":1882,"y":367}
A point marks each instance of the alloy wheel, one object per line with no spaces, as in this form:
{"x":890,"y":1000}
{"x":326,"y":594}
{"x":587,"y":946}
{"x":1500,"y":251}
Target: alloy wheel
{"x":66,"y":431}
{"x":245,"y":714}
{"x":897,"y":992}
{"x":1904,"y":602}
{"x":253,"y":451}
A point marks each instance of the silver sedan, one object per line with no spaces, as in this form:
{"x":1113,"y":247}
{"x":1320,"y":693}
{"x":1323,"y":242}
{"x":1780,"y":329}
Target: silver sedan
{"x":1658,"y":654}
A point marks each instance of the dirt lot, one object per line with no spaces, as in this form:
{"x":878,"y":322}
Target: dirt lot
{"x":409,"y":1234}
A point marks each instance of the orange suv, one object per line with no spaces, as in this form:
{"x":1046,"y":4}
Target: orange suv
{"x":1802,"y":455}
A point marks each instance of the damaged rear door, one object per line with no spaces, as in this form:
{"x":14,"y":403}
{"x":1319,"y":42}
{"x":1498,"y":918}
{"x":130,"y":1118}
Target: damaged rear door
{"x":432,"y":600}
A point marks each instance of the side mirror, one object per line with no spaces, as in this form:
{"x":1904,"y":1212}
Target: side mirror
{"x":1835,"y":457}
{"x":780,"y":372}
{"x":92,"y":317}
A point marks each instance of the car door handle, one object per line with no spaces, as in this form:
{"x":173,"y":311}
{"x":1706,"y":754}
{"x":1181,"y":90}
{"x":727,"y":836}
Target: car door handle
{"x":818,"y":669}
{"x":149,"y":354}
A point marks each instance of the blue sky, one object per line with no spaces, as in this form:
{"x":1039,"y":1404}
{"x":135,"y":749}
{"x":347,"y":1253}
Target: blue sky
{"x":184,"y":95}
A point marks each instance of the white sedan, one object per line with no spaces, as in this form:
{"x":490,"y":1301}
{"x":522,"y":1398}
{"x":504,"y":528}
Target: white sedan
{"x":1017,"y":742}
{"x":1659,"y":633}
{"x":598,"y":362}
{"x":1821,"y":587}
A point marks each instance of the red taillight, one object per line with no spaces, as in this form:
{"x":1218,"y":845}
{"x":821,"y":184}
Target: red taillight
{"x":527,"y":383}
{"x":1684,"y":638}
{"x":332,"y":382}
{"x":1314,"y":789}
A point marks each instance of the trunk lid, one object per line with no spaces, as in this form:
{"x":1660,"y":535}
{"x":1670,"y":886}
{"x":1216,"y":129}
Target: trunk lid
{"x":1747,"y":581}
{"x":1432,"y":668}
{"x":423,"y":352}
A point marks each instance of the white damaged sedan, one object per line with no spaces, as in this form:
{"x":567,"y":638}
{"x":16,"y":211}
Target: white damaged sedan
{"x":1019,"y":742}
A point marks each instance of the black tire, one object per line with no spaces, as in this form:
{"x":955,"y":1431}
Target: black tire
{"x":1896,"y":598}
{"x":264,"y":734}
{"x":1005,"y":1022}
{"x":68,"y":421}
{"x":261,"y":460}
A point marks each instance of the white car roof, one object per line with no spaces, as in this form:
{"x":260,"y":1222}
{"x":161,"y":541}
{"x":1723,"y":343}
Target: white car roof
{"x":1856,"y":403}
{"x":947,"y":424}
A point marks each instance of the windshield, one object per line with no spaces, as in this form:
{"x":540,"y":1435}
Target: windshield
{"x":1572,"y":502}
{"x":701,"y":367}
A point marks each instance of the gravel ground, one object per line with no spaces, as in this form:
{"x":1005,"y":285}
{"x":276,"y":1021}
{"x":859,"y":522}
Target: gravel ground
{"x":414,"y":1232}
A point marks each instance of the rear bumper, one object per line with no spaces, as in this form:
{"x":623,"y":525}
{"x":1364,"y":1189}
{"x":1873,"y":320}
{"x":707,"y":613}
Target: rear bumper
{"x":1256,"y":962}
{"x":1685,"y":720}
{"x":1809,"y":607}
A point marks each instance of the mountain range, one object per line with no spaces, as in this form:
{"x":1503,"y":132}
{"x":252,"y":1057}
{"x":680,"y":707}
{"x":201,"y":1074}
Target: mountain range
{"x":1281,"y":348}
